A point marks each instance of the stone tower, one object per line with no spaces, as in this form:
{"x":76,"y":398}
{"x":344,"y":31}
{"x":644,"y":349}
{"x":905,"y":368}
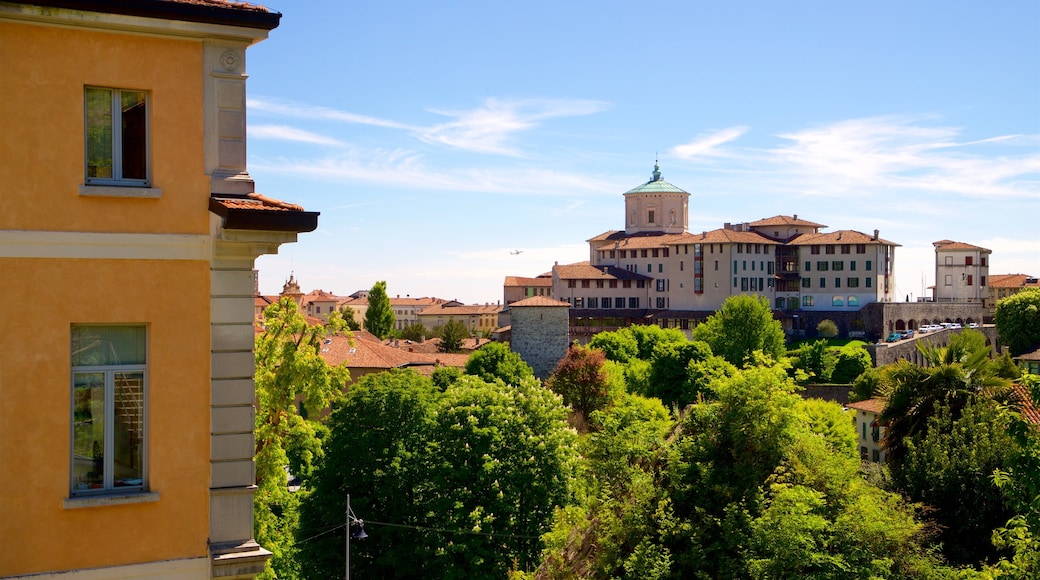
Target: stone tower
{"x":540,"y":332}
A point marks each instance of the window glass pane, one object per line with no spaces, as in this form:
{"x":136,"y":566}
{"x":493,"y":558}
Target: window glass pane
{"x":99,"y":133}
{"x":88,"y":431}
{"x":134,"y":134}
{"x":128,"y":429}
{"x":108,"y":345}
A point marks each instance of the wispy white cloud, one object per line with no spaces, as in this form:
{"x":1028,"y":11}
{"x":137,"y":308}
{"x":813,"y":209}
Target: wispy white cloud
{"x":282,"y":108}
{"x":894,"y":153}
{"x":487,"y":129}
{"x":708,"y":144}
{"x":407,"y":169}
{"x":284,"y":133}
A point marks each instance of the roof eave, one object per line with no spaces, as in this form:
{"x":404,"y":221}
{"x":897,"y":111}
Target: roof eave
{"x":265,"y":220}
{"x":166,"y":10}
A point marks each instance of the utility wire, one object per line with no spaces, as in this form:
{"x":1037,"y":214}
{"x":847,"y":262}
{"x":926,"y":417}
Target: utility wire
{"x":421,"y":529}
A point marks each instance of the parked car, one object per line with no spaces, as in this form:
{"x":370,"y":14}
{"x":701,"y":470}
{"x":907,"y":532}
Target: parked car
{"x":894,"y":337}
{"x":973,"y":325}
{"x":908,"y":334}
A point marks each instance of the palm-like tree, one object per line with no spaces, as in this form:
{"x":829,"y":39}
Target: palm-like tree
{"x":955,"y":375}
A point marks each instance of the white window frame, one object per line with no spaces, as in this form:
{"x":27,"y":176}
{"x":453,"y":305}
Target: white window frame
{"x":117,"y":185}
{"x":110,"y":372}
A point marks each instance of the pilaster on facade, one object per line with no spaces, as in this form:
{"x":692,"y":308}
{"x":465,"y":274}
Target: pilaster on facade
{"x":233,"y":550}
{"x":224,"y":101}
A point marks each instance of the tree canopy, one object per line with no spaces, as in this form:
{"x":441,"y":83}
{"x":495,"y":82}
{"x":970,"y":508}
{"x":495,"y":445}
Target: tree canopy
{"x":452,"y":334}
{"x":1018,"y":320}
{"x":463,"y":480}
{"x":581,"y":380}
{"x":495,"y":360}
{"x":379,"y":318}
{"x":743,"y":325}
{"x":289,"y":368}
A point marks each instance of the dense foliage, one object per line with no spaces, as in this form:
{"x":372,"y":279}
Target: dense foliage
{"x":290,"y":375}
{"x":581,"y":380}
{"x":452,"y":484}
{"x":687,"y":465}
{"x":451,"y":334}
{"x":494,"y":360}
{"x":379,"y":318}
{"x":1018,"y":320}
{"x":743,"y":325}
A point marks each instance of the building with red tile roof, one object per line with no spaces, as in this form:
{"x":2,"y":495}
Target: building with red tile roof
{"x":364,"y":354}
{"x":655,"y":266}
{"x":870,"y":432}
{"x":1004,"y":285}
{"x":962,"y":274}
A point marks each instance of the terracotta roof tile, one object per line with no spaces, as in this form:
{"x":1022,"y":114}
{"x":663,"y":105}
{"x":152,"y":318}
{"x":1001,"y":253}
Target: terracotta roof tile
{"x":641,"y":240}
{"x":1013,"y":281}
{"x":1031,"y":355}
{"x":839,"y":237}
{"x":784,"y":220}
{"x":463,"y":310}
{"x":951,"y":245}
{"x":538,"y":301}
{"x":725,"y":236}
{"x":875,"y":406}
{"x":585,"y":271}
{"x":541,"y":281}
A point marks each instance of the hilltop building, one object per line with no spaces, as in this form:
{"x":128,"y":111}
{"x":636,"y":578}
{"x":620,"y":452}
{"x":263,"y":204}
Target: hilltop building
{"x":655,"y":271}
{"x":961,"y":273}
{"x":131,"y":225}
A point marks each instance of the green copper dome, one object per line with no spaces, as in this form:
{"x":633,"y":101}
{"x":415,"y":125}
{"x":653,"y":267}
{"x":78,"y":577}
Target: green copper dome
{"x":656,"y":185}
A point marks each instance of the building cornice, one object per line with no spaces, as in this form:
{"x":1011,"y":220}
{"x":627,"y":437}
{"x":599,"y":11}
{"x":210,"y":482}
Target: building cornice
{"x":151,"y":17}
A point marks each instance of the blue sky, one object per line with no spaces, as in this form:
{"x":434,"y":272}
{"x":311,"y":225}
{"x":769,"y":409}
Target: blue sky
{"x":437,"y":137}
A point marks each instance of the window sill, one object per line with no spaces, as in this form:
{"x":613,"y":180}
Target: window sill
{"x":119,"y":191}
{"x":108,"y":500}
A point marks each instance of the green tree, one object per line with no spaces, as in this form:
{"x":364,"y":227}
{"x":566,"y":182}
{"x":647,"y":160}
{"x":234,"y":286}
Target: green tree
{"x":581,"y":380}
{"x":866,"y":386}
{"x":444,"y":376}
{"x":619,"y":345}
{"x":954,"y":460}
{"x":495,"y":360}
{"x":379,"y":318}
{"x":452,"y":334}
{"x":505,"y":462}
{"x":742,"y":326}
{"x":818,"y":361}
{"x":827,"y":328}
{"x":1020,"y":484}
{"x":289,"y":368}
{"x":767,"y":485}
{"x":617,"y":530}
{"x":669,"y":378}
{"x":1018,"y":320}
{"x":852,"y":361}
{"x":416,"y":332}
{"x":380,"y":451}
{"x":350,"y":318}
{"x":649,"y":336}
{"x":956,"y":374}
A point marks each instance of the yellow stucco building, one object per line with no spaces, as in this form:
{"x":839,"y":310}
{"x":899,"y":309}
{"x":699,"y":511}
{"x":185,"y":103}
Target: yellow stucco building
{"x":128,"y":231}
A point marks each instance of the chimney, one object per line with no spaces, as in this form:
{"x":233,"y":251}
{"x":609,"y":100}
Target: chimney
{"x":875,"y":235}
{"x":795,"y":216}
{"x":839,"y":236}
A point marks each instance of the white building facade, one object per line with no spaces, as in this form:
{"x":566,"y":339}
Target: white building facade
{"x":656,"y":269}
